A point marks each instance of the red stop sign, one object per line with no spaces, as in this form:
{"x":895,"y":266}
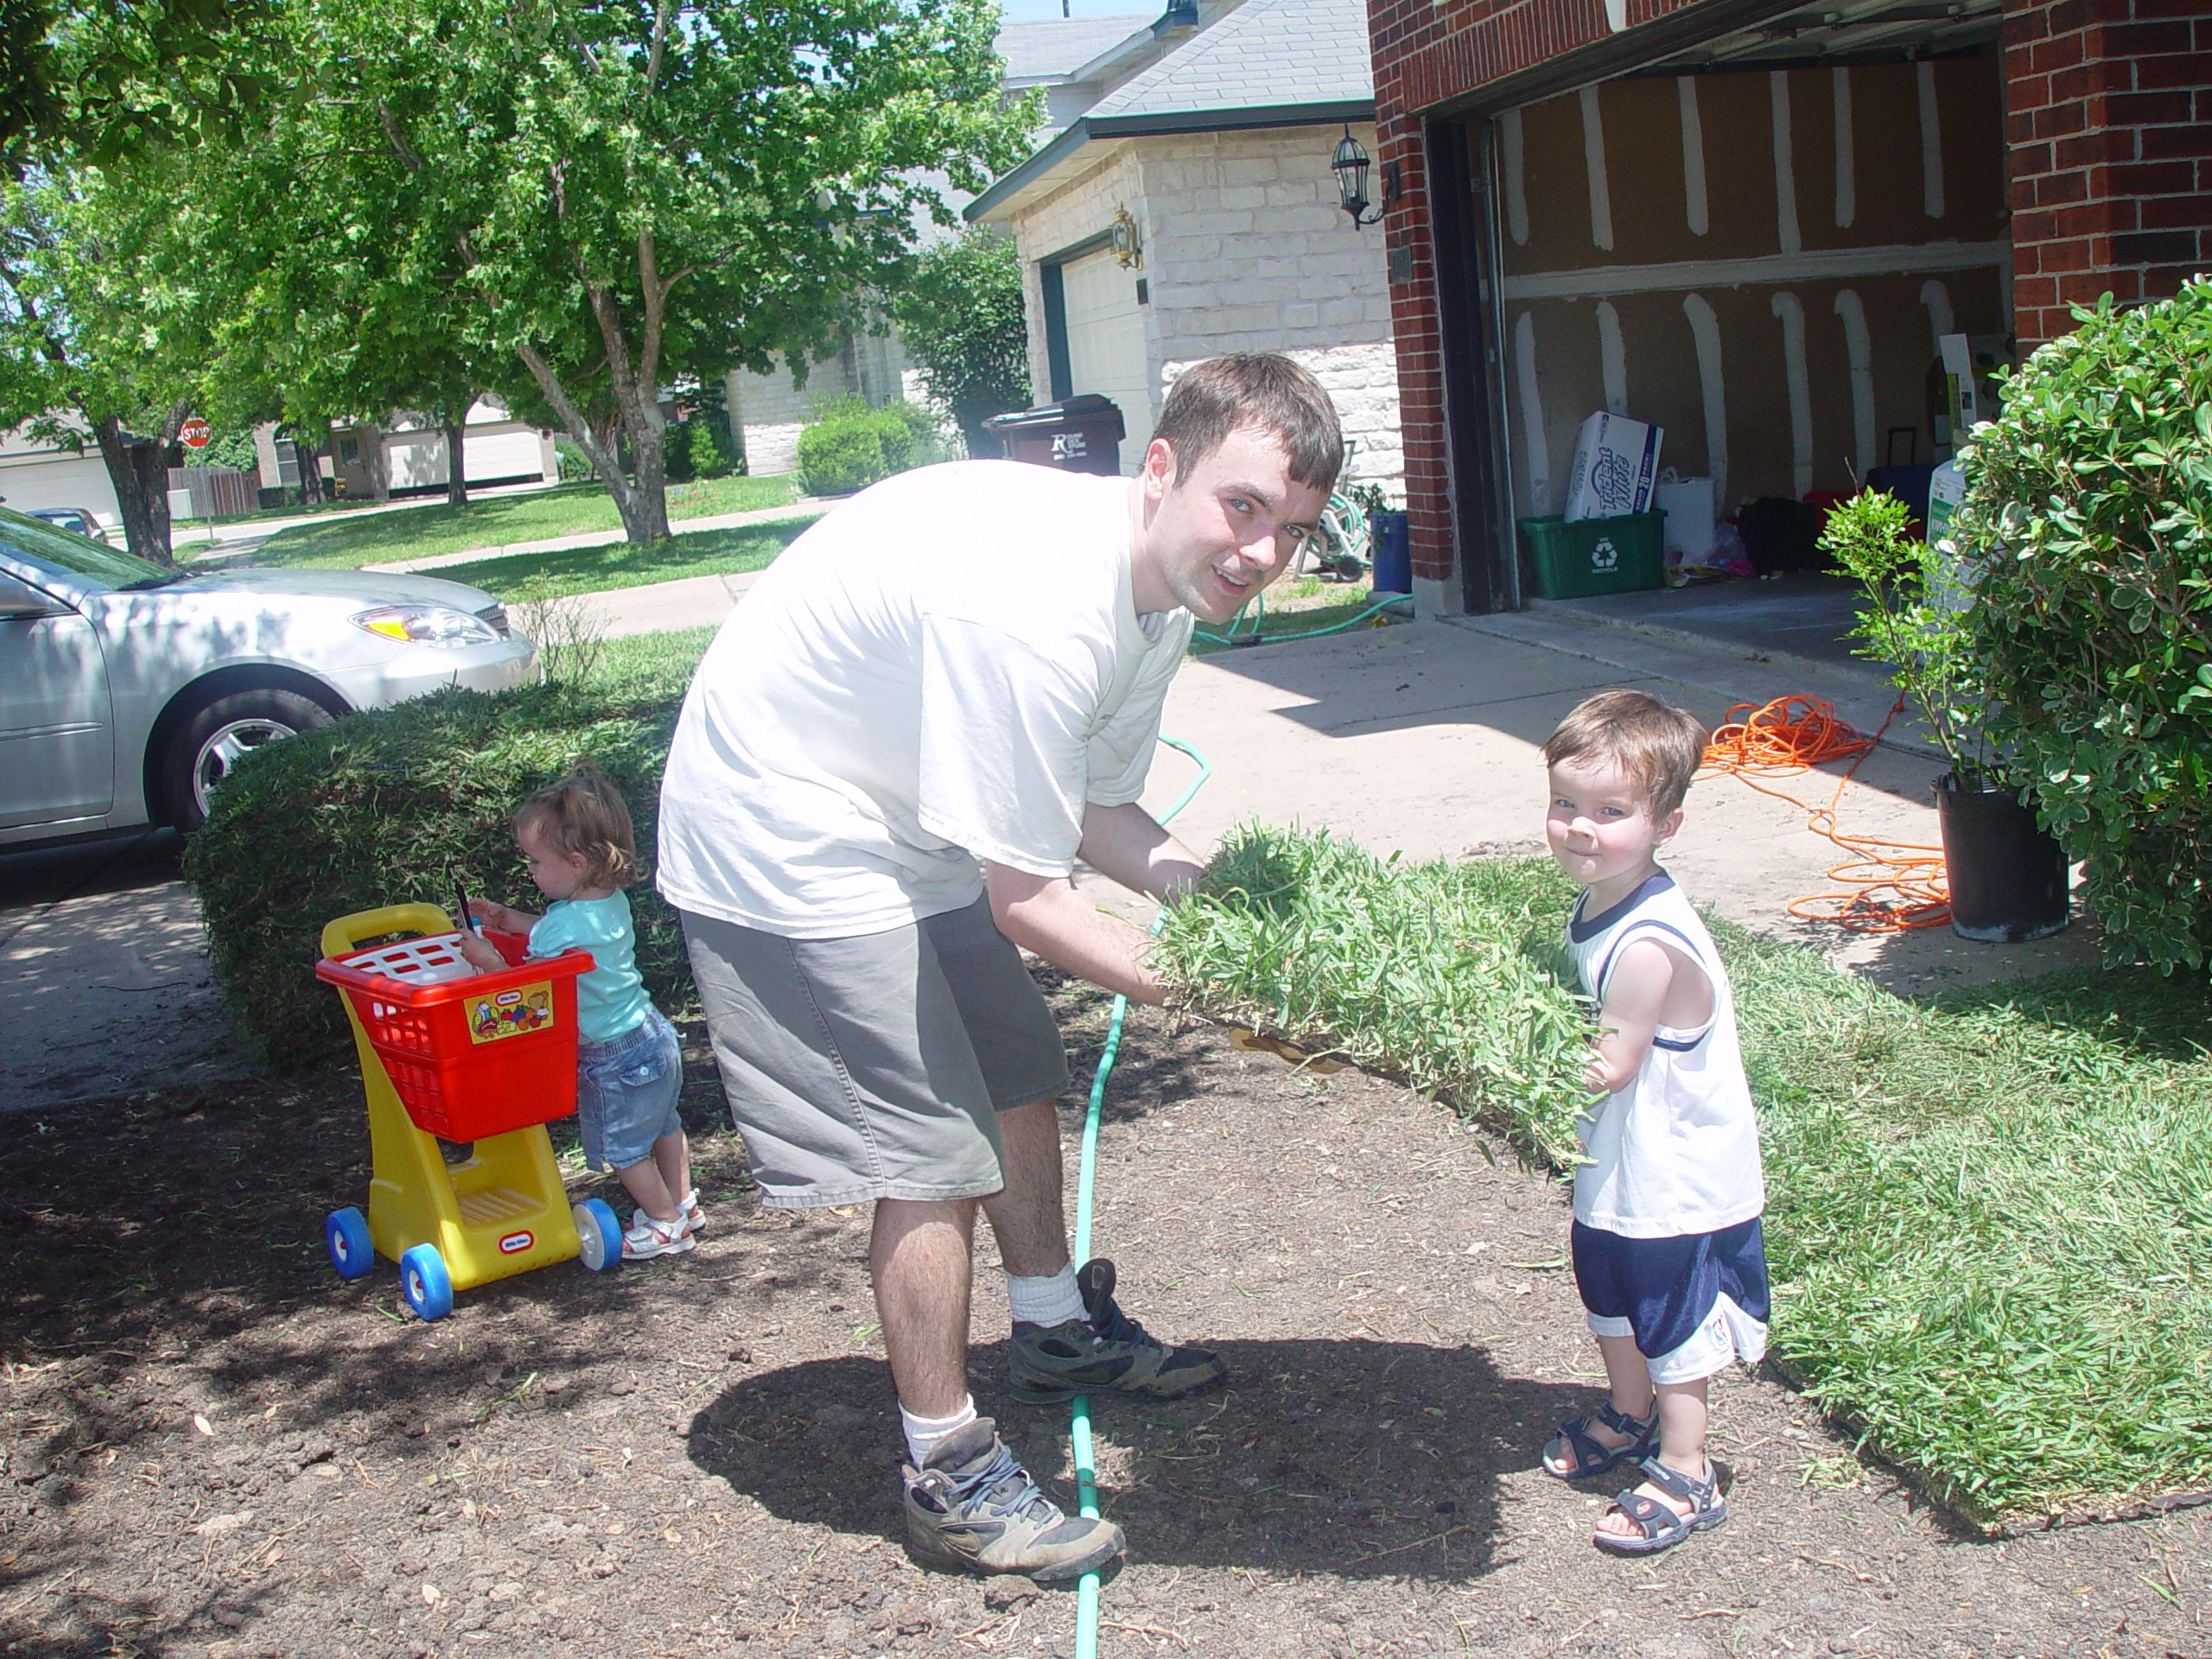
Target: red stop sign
{"x":195,"y":433}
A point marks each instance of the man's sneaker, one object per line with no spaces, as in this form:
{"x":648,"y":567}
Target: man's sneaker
{"x":970,"y":1508}
{"x":1047,"y":1363}
{"x":647,"y":1238}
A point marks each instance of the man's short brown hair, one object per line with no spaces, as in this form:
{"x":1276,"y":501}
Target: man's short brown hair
{"x":1658,"y":745}
{"x":1212,"y":399}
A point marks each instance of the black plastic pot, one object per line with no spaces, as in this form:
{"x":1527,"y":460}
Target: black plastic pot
{"x":2007,"y":876}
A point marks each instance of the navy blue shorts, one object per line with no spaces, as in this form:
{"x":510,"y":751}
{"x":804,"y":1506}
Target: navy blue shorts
{"x":1693,"y":1302}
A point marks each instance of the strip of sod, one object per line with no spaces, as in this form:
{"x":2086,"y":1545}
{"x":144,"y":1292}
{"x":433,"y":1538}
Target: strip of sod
{"x":1989,"y":1213}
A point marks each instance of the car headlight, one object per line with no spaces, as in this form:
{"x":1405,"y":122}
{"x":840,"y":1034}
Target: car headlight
{"x":438,"y":626}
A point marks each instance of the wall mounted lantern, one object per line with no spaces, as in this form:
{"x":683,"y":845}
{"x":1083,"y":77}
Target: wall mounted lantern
{"x":1128,"y":241}
{"x":1350,"y":164}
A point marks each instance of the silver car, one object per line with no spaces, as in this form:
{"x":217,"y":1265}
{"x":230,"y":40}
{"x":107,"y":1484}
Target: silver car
{"x":127,"y":691}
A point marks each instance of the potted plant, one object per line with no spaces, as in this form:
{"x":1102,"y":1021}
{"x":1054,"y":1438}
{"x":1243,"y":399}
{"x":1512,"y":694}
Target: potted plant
{"x":2007,"y":876}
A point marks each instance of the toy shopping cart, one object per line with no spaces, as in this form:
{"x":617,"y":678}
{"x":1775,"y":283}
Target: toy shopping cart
{"x":484,"y":1058}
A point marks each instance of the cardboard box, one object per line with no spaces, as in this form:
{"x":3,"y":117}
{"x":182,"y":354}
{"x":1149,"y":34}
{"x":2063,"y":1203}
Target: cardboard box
{"x":1616,"y":466}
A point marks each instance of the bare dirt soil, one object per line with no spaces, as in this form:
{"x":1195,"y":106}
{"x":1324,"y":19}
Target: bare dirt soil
{"x":211,"y":1445}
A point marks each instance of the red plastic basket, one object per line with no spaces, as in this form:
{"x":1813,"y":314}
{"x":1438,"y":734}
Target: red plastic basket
{"x":470,"y":1055}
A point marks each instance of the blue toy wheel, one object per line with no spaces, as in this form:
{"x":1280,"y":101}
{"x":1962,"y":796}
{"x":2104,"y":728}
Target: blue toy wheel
{"x":599,"y":1235}
{"x":424,"y":1282}
{"x":346,"y":1235}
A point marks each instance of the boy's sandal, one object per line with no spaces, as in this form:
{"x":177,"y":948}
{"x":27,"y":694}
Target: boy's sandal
{"x":1659,"y":1526}
{"x":1592,"y":1456}
{"x":648,"y":1238}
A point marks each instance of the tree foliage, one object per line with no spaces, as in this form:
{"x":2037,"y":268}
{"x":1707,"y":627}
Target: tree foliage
{"x":960,"y":315}
{"x":598,"y":199}
{"x":2089,"y":506}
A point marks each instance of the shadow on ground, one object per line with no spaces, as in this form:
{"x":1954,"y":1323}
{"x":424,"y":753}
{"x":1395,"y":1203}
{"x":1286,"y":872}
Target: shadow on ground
{"x":1347,"y":1458}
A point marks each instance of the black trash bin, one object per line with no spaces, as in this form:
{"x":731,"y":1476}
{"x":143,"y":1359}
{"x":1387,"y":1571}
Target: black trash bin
{"x":1083,"y":435}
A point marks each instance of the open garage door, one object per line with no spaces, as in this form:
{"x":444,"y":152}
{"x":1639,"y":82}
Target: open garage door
{"x":1753,"y":244}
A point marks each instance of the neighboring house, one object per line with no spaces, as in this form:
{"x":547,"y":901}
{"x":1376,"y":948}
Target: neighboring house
{"x":35,"y":473}
{"x":1207,"y":137}
{"x":406,"y":454}
{"x":1748,"y":221}
{"x":766,"y":410}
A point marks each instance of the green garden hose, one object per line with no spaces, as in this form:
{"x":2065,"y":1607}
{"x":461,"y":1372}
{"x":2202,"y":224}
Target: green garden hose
{"x":1086,"y":1478}
{"x":1254,"y":637}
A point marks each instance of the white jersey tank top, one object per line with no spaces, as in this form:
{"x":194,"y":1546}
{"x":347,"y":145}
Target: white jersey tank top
{"x":1675,"y":1151}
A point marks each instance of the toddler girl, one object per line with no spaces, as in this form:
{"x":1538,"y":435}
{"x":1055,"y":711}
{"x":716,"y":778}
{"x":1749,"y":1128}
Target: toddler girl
{"x":576,"y":834}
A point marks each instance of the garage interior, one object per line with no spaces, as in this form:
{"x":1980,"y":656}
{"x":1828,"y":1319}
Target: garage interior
{"x":1754,"y":244}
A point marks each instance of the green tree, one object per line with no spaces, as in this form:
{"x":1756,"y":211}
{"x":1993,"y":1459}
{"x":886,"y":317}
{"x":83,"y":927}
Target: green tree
{"x":596,"y":192}
{"x":96,"y":344}
{"x":960,"y":315}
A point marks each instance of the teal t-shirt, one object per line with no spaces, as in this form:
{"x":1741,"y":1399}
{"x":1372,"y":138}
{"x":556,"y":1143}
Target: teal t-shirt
{"x":611,"y":999}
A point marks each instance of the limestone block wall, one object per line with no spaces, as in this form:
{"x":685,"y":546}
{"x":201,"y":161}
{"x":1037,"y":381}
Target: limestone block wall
{"x":1245,"y":249}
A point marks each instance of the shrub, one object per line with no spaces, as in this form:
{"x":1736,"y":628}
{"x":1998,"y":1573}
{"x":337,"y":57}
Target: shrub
{"x":377,"y":808}
{"x":707,"y":446}
{"x":576,"y":465}
{"x":2091,"y":495}
{"x":835,"y":456}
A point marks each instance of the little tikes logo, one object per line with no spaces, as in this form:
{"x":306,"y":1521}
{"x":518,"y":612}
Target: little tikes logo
{"x":1603,"y":557}
{"x":514,"y":1242}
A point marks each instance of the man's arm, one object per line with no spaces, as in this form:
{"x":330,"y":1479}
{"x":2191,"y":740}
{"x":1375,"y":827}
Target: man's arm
{"x":1046,"y":915}
{"x":1126,"y":844}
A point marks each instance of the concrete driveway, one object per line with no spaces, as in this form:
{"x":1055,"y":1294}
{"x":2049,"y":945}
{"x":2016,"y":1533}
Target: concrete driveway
{"x":104,"y":989}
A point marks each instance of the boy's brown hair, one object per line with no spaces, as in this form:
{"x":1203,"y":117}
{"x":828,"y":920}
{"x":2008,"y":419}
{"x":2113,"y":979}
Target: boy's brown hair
{"x":1212,"y":399}
{"x":1658,"y":745}
{"x":583,"y":813}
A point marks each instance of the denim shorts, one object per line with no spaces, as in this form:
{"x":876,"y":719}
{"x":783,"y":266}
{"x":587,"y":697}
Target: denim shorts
{"x":625,"y":1093}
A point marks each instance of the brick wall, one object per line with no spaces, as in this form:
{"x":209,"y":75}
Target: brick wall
{"x":2108,"y":117}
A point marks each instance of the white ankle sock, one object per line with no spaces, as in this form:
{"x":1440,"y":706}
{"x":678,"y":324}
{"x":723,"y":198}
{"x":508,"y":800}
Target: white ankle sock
{"x":923,"y":1432}
{"x":1053,"y":1299}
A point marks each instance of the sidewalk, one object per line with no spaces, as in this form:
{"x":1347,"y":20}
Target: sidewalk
{"x":805,"y":508}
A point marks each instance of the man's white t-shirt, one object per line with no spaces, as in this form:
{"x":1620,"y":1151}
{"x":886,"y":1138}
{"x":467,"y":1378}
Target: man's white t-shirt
{"x":947,"y":667}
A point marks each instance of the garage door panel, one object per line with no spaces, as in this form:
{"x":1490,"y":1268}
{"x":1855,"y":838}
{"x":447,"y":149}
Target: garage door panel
{"x":1106,"y":344}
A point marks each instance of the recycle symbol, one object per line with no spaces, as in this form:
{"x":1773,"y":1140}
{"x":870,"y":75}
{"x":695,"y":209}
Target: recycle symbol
{"x":1603,"y":557}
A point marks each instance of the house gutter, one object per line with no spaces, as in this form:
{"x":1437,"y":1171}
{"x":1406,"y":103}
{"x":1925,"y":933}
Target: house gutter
{"x":1156,"y":125}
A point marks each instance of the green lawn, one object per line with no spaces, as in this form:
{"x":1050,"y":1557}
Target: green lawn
{"x":349,"y":541}
{"x":618,"y":564}
{"x":1989,"y":1213}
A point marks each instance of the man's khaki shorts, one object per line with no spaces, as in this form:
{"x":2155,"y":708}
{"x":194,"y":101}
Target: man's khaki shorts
{"x":874,"y":1067}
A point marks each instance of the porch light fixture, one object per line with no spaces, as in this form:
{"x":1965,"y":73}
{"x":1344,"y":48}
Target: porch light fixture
{"x":1350,"y":164}
{"x":1128,"y":241}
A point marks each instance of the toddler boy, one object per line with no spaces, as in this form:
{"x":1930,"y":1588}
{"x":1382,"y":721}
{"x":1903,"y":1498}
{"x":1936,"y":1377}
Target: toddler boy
{"x":1665,"y":1243}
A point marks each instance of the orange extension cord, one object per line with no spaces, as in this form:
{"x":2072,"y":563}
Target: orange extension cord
{"x":1889,"y":885}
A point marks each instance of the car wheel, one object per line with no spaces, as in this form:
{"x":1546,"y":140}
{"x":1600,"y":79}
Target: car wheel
{"x":203,"y":749}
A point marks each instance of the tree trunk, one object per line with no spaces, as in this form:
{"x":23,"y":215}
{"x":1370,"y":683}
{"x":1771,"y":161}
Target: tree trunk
{"x":137,"y":467}
{"x":456,"y":465}
{"x":644,"y":514}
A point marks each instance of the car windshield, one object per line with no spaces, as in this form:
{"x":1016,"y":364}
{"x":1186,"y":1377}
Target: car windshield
{"x":78,"y":555}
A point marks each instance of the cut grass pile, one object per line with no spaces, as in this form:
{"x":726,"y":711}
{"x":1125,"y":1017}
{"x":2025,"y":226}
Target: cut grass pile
{"x":1989,"y":1213}
{"x":422,"y":533}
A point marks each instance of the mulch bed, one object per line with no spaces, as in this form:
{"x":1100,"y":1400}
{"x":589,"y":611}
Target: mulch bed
{"x":211,"y":1445}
